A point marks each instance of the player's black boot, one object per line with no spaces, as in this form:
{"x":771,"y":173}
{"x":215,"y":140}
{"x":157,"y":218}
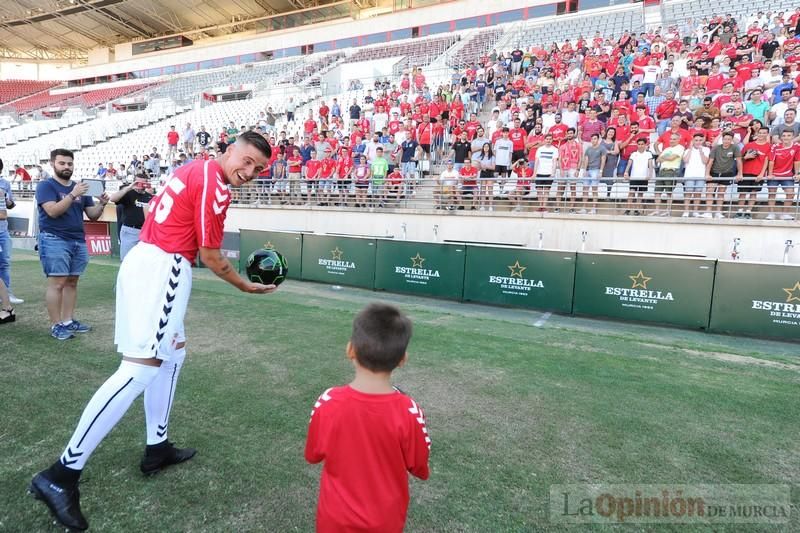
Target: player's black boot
{"x":63,"y":501}
{"x":162,"y":455}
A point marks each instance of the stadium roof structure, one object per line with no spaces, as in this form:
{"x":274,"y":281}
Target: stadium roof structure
{"x":68,"y":29}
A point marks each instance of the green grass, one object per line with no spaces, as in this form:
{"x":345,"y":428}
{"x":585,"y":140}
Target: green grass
{"x":512,"y":409}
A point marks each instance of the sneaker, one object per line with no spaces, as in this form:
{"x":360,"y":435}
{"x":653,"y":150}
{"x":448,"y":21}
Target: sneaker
{"x":77,"y":327}
{"x":705,"y":215}
{"x":593,"y":212}
{"x":719,"y":215}
{"x":785,"y":216}
{"x":656,"y":213}
{"x":770,"y":216}
{"x":685,"y":214}
{"x":63,"y":501}
{"x":60,"y":332}
{"x":627,"y":212}
{"x":556,"y":210}
{"x":748,"y":215}
{"x":14,"y":300}
{"x":162,"y":455}
{"x":482,"y":209}
{"x":582,"y":211}
{"x":636,"y":213}
{"x":664,"y":214}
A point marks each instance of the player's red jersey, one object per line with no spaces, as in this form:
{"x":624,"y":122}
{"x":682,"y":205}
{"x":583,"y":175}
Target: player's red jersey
{"x":754,"y":165}
{"x":369,"y":443}
{"x":189,"y":212}
{"x":783,"y":160}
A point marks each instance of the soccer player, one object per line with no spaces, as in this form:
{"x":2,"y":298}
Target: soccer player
{"x":369,"y":434}
{"x":153,"y":287}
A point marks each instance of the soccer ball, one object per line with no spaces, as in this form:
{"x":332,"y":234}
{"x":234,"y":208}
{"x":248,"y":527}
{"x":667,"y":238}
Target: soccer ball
{"x":267,"y":267}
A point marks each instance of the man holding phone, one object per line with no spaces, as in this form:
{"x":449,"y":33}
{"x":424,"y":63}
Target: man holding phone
{"x":133,"y":199}
{"x":62,"y":241}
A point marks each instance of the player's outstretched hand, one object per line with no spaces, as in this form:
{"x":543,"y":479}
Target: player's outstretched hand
{"x":258,"y":288}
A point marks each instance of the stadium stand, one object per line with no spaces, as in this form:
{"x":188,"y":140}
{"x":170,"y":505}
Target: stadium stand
{"x":11,"y":90}
{"x":89,"y":99}
{"x":530,"y":69}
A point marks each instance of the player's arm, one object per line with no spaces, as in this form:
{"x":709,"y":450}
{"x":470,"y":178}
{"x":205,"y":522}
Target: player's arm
{"x":219,"y":265}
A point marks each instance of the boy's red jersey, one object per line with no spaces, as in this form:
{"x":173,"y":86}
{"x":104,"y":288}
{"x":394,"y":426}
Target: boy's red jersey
{"x":369,"y":443}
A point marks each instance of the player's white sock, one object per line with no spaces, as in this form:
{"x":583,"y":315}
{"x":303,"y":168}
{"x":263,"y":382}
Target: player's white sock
{"x":104,"y":410}
{"x":158,"y":398}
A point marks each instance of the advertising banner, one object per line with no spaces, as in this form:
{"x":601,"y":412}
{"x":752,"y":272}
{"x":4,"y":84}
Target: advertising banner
{"x":339,"y":260}
{"x":520,"y":277}
{"x":757,"y":299}
{"x":422,"y":268}
{"x":646,"y":288}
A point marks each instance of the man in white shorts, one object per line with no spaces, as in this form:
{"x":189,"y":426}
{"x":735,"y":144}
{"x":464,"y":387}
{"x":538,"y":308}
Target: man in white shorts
{"x":153,"y":287}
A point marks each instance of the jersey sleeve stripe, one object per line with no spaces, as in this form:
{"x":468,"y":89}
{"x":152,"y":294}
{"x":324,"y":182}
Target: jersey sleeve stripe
{"x":203,"y":204}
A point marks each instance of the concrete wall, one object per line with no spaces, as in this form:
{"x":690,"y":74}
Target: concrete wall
{"x":761,"y":241}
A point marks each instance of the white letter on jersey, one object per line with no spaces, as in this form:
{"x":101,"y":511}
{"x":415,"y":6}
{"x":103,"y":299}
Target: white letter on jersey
{"x":166,"y":201}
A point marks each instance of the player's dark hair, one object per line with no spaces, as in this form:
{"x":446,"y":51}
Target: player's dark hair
{"x":257,"y":141}
{"x":61,"y":152}
{"x":380,"y":337}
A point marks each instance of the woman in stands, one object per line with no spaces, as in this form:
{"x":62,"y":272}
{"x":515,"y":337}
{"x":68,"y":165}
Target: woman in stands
{"x":609,"y":142}
{"x":487,"y":177}
{"x":362,"y":174}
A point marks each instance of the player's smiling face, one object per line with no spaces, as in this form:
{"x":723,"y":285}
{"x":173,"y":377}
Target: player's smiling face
{"x":244,"y":162}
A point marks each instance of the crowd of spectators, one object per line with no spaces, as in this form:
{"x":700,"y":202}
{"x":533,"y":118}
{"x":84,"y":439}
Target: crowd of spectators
{"x":698,"y":119}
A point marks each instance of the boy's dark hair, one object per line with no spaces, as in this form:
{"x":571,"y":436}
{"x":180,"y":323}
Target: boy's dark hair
{"x":380,"y":337}
{"x":61,"y":152}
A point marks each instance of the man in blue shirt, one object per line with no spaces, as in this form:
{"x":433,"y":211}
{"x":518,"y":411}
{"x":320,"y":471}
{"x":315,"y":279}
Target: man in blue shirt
{"x":62,"y":242}
{"x":6,"y":203}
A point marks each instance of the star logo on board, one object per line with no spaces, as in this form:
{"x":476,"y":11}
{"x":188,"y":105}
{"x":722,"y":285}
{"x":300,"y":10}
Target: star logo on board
{"x":417,"y":261}
{"x":336,"y":253}
{"x":639,"y":280}
{"x":269,"y":246}
{"x":516,"y":269}
{"x":793,"y":294}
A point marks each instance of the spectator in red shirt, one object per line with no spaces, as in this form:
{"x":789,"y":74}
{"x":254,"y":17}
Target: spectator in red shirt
{"x":172,"y":143}
{"x":518,"y":136}
{"x":783,"y":171}
{"x":368,"y":433}
{"x":469,"y":182}
{"x":23,"y":176}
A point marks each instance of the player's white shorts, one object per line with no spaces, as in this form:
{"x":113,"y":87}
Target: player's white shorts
{"x":153,"y":288}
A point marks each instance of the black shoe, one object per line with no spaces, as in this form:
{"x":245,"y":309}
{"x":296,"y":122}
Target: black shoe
{"x":163,"y":455}
{"x":636,"y":213}
{"x":63,"y":501}
{"x":627,"y":212}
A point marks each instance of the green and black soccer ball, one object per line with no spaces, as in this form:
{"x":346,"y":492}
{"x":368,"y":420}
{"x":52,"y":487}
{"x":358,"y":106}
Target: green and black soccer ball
{"x":267,"y":267}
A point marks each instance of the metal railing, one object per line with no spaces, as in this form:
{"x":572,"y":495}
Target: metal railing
{"x":425,"y":191}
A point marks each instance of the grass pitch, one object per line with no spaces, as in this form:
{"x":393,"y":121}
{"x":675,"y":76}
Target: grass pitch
{"x":512,"y":409}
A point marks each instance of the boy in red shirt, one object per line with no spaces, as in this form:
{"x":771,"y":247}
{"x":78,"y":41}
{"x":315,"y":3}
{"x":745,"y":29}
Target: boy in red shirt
{"x":394,"y":182}
{"x":369,"y":434}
